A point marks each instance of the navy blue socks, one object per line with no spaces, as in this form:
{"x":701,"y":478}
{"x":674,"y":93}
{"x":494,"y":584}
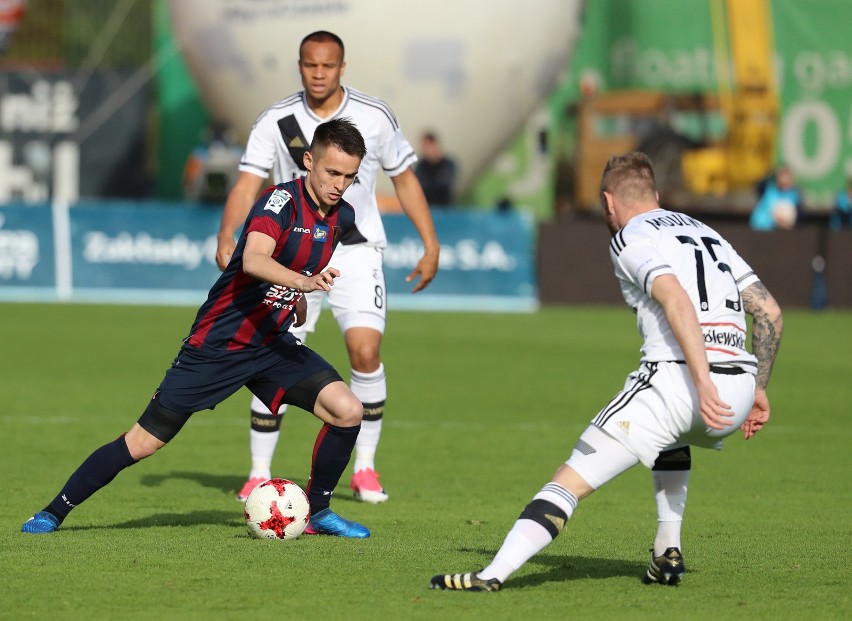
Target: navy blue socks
{"x":332,"y":451}
{"x":97,"y":471}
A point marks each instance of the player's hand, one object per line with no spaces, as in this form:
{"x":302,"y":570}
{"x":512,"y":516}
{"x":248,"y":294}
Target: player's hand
{"x":301,"y":312}
{"x":323,"y":281}
{"x":425,"y":269}
{"x":715,"y":413}
{"x":225,"y":245}
{"x":758,"y":416}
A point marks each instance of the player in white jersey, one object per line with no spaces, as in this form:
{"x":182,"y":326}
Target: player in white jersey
{"x":276,"y":145}
{"x":696,"y":383}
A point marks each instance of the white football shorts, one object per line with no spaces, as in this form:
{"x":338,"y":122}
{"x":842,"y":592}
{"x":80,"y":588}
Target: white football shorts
{"x":358,"y":298}
{"x":658,"y":410}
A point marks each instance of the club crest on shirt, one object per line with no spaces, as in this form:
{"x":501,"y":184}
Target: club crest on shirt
{"x":320,"y":233}
{"x":277,"y":200}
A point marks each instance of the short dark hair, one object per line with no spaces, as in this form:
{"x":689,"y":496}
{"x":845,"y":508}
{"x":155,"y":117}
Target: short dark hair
{"x":631,"y":176}
{"x":323,"y":36}
{"x":340,"y":133}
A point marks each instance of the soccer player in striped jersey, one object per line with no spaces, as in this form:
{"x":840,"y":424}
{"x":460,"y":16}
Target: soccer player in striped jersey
{"x":695,"y":385}
{"x":275,"y":146}
{"x":240,"y":337}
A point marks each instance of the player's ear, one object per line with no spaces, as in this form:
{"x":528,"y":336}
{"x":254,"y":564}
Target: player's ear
{"x":342,"y":68}
{"x":308,"y":160}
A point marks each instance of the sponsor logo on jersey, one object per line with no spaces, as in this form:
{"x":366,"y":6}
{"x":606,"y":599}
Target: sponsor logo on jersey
{"x":296,"y":143}
{"x":624,"y":425}
{"x":728,"y":339}
{"x":320,"y":233}
{"x":301,"y":229}
{"x":277,"y":200}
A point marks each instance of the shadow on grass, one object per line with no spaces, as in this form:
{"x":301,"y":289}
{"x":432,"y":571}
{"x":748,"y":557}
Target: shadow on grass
{"x":229,"y":484}
{"x":562,"y":568}
{"x":193,"y":518}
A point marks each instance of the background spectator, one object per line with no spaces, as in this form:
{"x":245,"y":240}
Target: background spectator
{"x":780,"y":203}
{"x":436,"y":171}
{"x":841,"y":215}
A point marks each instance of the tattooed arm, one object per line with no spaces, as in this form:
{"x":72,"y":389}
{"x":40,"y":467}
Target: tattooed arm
{"x":766,"y":328}
{"x":767,"y":325}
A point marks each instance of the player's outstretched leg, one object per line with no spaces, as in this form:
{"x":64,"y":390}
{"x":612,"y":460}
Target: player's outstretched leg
{"x":95,"y":472}
{"x":537,"y":526}
{"x":666,"y":569}
{"x":464,"y":582}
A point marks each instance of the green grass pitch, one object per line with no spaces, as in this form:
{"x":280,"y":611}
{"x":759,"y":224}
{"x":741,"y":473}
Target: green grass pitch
{"x":482,"y":409}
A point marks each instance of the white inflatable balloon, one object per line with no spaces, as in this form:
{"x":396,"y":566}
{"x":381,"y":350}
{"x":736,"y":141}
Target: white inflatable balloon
{"x":471,"y":70}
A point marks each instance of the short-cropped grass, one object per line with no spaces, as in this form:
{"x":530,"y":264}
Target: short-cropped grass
{"x":482,"y":409}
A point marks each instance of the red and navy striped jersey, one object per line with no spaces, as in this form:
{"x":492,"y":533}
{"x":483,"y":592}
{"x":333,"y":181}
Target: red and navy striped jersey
{"x":242,"y":311}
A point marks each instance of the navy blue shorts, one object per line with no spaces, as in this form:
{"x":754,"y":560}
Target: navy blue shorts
{"x":282,"y":373}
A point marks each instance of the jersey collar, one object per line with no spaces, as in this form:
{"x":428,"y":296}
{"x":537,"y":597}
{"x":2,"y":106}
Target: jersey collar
{"x":312,"y":203}
{"x":334,"y":114}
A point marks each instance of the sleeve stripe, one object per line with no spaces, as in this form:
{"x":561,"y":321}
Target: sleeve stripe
{"x":651,"y":271}
{"x":744,"y":276}
{"x":261,"y":169}
{"x":409,"y":158}
{"x":375,"y":103}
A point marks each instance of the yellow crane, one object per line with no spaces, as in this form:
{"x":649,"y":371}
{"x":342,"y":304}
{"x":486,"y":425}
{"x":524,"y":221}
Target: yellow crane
{"x":749,"y":101}
{"x":699,"y":175}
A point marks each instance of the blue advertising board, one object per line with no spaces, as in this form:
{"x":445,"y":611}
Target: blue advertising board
{"x":487,"y":262}
{"x":27,"y":252}
{"x":164,"y":253}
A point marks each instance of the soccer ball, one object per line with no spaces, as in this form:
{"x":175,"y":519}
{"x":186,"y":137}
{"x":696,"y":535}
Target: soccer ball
{"x":277,"y":509}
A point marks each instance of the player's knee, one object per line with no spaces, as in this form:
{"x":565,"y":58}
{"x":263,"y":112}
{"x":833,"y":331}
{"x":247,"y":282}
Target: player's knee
{"x":546,"y":514}
{"x":364,"y":358}
{"x":364,"y":346}
{"x":160,"y":424}
{"x":141,"y":444}
{"x":341,"y":407}
{"x":348,"y":411}
{"x":674,"y":459}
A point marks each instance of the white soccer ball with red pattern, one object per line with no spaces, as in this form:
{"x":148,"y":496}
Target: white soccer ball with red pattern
{"x":277,"y":509}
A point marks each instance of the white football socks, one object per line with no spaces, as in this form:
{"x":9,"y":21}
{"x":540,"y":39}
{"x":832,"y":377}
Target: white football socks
{"x":262,"y":443}
{"x":369,"y":388}
{"x":262,"y":449}
{"x":670,"y":487}
{"x":367,"y":444}
{"x":527,"y":537}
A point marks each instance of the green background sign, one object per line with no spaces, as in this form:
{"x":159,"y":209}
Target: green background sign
{"x":668,"y":45}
